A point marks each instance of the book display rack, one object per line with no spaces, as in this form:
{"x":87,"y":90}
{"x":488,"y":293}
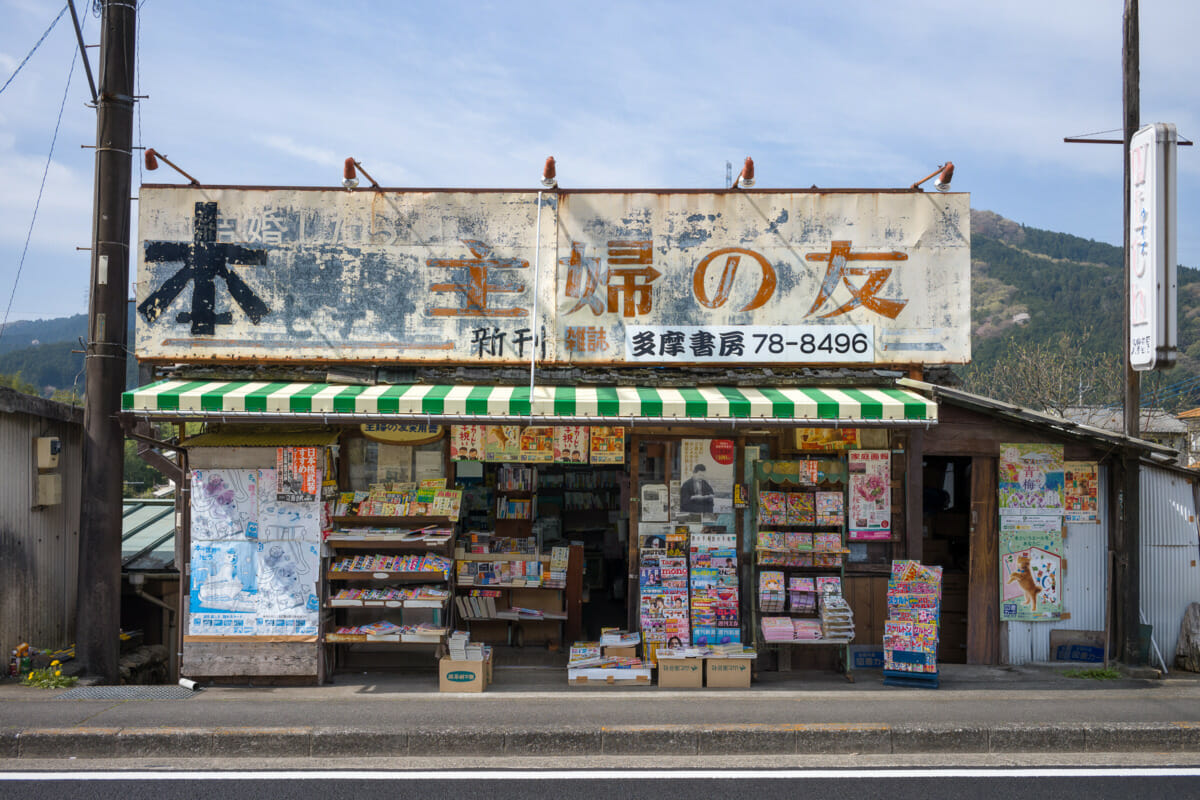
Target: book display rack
{"x":800,"y":553}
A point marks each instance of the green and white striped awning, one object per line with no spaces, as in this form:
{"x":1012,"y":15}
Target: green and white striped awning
{"x":583,"y":405}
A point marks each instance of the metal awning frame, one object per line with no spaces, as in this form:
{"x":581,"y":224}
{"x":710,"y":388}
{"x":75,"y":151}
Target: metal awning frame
{"x":346,"y":418}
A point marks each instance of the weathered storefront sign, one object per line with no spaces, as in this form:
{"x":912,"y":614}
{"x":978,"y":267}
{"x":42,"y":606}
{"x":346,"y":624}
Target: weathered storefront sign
{"x":659,"y":278}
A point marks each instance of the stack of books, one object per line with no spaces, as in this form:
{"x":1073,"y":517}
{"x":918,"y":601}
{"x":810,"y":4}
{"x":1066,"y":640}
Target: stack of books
{"x":777,"y":629}
{"x":837,"y":621}
{"x":770,"y":591}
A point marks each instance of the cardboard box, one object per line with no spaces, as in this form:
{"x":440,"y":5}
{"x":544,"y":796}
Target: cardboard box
{"x":727,"y":673}
{"x":681,"y":673}
{"x":628,"y":651}
{"x":462,"y":676}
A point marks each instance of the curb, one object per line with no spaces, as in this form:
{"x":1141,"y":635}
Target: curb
{"x":676,"y":740}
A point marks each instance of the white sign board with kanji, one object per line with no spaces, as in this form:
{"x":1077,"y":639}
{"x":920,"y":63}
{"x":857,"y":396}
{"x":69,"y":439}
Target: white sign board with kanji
{"x":670,"y":278}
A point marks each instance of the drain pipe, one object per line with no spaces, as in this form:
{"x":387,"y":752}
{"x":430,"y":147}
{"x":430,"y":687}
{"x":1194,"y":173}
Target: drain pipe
{"x":550,"y":181}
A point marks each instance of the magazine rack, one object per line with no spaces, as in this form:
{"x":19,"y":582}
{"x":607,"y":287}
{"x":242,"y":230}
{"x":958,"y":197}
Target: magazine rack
{"x":794,"y":556}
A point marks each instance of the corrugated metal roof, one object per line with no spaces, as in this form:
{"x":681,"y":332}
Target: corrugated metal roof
{"x":312,"y":438}
{"x":148,"y":535}
{"x":1150,"y":420}
{"x":1019,"y":413}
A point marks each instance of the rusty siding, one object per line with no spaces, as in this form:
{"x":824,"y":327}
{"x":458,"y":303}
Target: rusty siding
{"x":620,"y":277}
{"x":39,"y":549}
{"x":1085,"y":578}
{"x":1170,"y":550}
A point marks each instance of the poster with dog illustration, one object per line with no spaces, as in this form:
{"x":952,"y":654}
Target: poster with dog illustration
{"x":1031,"y":569}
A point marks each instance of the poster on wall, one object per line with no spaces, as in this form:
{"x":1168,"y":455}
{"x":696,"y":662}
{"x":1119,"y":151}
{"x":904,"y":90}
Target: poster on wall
{"x":826,"y":439}
{"x":870,"y":515}
{"x":706,"y":475}
{"x":571,"y":444}
{"x":1080,"y":494}
{"x":607,"y":445}
{"x":224,"y":504}
{"x":655,"y":505}
{"x":287,"y":603}
{"x":297,"y":474}
{"x":223,"y":591}
{"x":467,"y":442}
{"x":1031,"y":479}
{"x":1031,"y":568}
{"x":284,"y":520}
{"x":502,"y":443}
{"x":537,"y":445}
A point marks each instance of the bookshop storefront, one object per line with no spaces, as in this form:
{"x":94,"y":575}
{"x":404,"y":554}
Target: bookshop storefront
{"x":540,"y":414}
{"x":686,"y":517}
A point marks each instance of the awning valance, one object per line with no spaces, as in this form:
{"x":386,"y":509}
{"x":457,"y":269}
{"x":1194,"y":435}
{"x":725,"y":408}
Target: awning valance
{"x":595,"y":405}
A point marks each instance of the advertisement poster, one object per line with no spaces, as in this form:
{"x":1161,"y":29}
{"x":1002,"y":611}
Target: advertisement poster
{"x":287,"y":602}
{"x":571,"y":444}
{"x":826,"y":439}
{"x":467,"y":442}
{"x":502,"y":443}
{"x":537,"y":445}
{"x":1031,"y":479}
{"x":224,"y":588}
{"x":297,"y":474}
{"x":706,"y":476}
{"x":224,"y":504}
{"x":1031,"y":568}
{"x":1079,"y":492}
{"x":655,"y":505}
{"x":283,"y":520}
{"x":607,"y":445}
{"x":870,"y":515}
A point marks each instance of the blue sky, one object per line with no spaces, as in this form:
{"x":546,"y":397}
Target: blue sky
{"x":624,"y":95}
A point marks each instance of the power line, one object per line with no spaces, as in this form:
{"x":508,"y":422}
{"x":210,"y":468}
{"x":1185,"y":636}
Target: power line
{"x":35,"y":47}
{"x":41,"y":189}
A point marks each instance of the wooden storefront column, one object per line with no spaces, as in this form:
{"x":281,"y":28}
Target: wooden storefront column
{"x":983,"y":599}
{"x":914,"y":496}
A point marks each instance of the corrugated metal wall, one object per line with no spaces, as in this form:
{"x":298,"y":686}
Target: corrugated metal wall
{"x":1170,"y":578}
{"x":39,"y":549}
{"x":1084,"y":577}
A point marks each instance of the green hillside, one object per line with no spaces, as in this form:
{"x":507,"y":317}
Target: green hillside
{"x":1061,"y":296}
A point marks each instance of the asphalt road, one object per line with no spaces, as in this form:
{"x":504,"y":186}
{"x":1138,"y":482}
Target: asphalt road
{"x":891,"y":784}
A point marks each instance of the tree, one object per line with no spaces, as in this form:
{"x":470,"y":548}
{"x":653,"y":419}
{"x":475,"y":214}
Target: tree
{"x":15,"y":381}
{"x":1050,"y":376}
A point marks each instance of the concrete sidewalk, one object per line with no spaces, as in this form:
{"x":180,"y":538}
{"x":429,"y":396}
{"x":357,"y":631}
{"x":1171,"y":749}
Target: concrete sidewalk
{"x":527,"y":712}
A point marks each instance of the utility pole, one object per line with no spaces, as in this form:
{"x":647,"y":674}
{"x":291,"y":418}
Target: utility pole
{"x":98,"y":608}
{"x":1128,"y":577}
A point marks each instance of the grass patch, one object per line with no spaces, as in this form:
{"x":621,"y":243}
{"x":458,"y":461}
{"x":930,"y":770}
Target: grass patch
{"x":1096,"y":674}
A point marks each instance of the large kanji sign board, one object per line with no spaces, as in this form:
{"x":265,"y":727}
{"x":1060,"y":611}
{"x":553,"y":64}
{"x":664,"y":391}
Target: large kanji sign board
{"x":584,"y":277}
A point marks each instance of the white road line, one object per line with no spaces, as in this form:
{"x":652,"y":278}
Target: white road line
{"x":606,"y":775}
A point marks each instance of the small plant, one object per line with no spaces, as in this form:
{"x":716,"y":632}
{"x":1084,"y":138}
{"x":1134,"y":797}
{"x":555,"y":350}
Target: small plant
{"x":1096,"y":674}
{"x":49,"y":678}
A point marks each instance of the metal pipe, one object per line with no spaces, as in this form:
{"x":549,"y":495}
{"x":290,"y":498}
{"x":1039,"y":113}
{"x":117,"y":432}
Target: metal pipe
{"x":537,"y":272}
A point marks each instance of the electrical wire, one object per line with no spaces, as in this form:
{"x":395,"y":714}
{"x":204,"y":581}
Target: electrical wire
{"x":37,"y":204}
{"x":35,"y":47}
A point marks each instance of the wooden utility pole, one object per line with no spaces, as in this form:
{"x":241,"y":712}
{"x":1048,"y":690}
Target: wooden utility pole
{"x":98,"y":616}
{"x":1128,"y":579}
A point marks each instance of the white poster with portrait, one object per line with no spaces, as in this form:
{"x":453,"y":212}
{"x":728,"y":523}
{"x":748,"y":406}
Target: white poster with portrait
{"x":706,"y":476}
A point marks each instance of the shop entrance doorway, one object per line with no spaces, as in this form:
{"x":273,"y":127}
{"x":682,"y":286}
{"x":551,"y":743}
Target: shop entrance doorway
{"x":946,"y":511}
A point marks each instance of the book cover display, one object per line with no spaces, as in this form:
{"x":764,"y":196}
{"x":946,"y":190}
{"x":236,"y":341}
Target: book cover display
{"x":714,"y":585}
{"x":910,"y":637}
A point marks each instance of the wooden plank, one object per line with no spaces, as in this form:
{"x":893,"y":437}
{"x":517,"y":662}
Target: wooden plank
{"x":983,"y":593}
{"x":241,"y":659}
{"x":574,"y":594}
{"x":914,"y":497}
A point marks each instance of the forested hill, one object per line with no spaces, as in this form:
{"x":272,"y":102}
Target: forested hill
{"x":1034,"y":289}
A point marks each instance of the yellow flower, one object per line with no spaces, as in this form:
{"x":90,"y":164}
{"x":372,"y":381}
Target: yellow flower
{"x":57,"y":673}
{"x":55,"y":663}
